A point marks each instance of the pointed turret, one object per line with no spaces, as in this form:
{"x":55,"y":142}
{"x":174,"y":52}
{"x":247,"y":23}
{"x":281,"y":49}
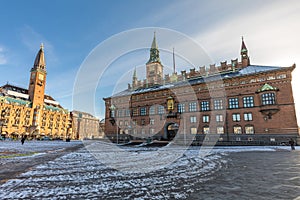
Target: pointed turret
{"x":154,"y":52}
{"x":134,"y":80}
{"x":39,"y":62}
{"x":244,"y":54}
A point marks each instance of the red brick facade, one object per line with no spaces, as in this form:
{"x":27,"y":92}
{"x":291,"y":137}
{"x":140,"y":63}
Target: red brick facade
{"x":238,"y":102}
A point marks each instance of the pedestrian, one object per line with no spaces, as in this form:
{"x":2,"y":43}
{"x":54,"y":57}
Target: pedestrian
{"x":23,"y":139}
{"x":292,"y":143}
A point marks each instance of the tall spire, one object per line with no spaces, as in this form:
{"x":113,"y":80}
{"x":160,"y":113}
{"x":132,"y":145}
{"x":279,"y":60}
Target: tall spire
{"x":243,"y":48}
{"x":39,"y":62}
{"x":244,"y":54}
{"x":154,"y":52}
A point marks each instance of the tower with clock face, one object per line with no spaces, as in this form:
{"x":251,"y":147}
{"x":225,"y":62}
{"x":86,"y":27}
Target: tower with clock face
{"x":37,"y":80}
{"x":244,"y":55}
{"x":154,"y":68}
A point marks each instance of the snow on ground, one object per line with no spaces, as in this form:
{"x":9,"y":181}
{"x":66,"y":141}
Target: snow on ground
{"x":13,"y":150}
{"x":80,"y":175}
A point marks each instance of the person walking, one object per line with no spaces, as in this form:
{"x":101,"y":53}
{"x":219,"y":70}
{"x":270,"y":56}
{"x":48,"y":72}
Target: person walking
{"x":23,"y":139}
{"x":292,"y":143}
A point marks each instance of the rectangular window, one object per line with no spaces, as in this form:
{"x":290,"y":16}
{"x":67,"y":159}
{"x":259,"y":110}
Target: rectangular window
{"x":181,"y":108}
{"x":233,"y":103}
{"x":120,"y":113}
{"x":249,"y":130}
{"x":126,"y":123}
{"x":220,"y":130}
{"x":268,"y":99}
{"x":151,"y":121}
{"x":205,"y":106}
{"x":143,"y":111}
{"x":218,"y":104}
{"x":112,"y":113}
{"x":134,"y":112}
{"x":193,"y":107}
{"x":161,"y":110}
{"x":205,"y":118}
{"x":127,"y":112}
{"x":248,"y":102}
{"x":143,"y":122}
{"x":237,"y":130}
{"x":236,"y":117}
{"x":152,"y":110}
{"x":193,"y":119}
{"x":121,"y":123}
{"x":248,"y":116}
{"x":152,"y":131}
{"x":193,"y":130}
{"x":206,"y":130}
{"x":219,"y":118}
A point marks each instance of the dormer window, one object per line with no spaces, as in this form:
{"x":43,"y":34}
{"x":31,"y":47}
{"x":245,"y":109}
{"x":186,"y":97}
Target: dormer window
{"x":268,"y":99}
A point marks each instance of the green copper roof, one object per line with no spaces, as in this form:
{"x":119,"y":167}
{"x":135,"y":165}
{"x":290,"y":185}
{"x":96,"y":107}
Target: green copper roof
{"x":154,"y":52}
{"x":16,"y":101}
{"x":267,"y":87}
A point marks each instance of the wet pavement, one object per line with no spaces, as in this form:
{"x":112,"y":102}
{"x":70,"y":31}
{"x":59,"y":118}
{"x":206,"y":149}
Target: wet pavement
{"x":68,"y":171}
{"x":255,"y":175}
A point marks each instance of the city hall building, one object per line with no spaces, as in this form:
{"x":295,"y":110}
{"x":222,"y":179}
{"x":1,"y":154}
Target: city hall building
{"x":239,"y":102}
{"x":30,"y":111}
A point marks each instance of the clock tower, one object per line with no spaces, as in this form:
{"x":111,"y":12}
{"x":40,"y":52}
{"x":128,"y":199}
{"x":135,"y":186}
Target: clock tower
{"x":244,"y":55}
{"x":154,"y":68}
{"x":37,"y":80}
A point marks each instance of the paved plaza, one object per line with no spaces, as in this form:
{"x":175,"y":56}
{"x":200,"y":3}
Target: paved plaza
{"x":61,"y":170}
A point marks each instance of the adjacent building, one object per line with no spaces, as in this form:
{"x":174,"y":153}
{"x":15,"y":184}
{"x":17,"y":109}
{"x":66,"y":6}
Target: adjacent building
{"x":29,"y":111}
{"x":85,"y":125}
{"x":240,"y":102}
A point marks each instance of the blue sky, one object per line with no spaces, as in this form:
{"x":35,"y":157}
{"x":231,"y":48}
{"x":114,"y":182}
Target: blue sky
{"x":70,"y":30}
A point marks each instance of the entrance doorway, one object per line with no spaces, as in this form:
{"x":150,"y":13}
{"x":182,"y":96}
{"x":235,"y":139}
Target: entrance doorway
{"x":171,"y":131}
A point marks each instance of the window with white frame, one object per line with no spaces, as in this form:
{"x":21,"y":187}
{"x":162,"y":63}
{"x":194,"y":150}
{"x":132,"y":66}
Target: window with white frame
{"x":233,"y":103}
{"x":161,"y":109}
{"x":192,"y":106}
{"x":248,"y":102}
{"x":206,"y":130}
{"x":248,"y":117}
{"x":268,"y":99}
{"x":152,"y":110}
{"x":219,"y":118}
{"x":236,"y":117}
{"x":193,"y":119}
{"x":143,"y":111}
{"x":205,"y":106}
{"x":249,"y":129}
{"x":220,"y":130}
{"x":193,"y":130}
{"x":205,"y":118}
{"x":218,"y":104}
{"x":237,"y":130}
{"x":181,"y":108}
{"x":151,"y":121}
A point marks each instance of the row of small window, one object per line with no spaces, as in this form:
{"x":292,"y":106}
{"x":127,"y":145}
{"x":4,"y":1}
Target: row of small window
{"x":193,"y":119}
{"x":236,"y":117}
{"x":248,"y":129}
{"x":218,"y":104}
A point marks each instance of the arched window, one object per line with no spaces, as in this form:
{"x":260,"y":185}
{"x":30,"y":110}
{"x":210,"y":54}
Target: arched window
{"x":268,"y":99}
{"x":206,"y":129}
{"x":249,"y":129}
{"x":237,"y":129}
